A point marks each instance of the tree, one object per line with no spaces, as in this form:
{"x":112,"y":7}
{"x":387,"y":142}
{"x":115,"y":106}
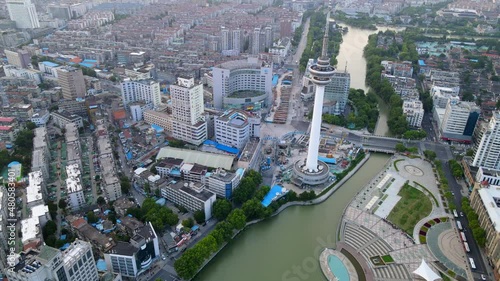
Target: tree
{"x":199,"y":216}
{"x":125,"y":185}
{"x":221,"y":209}
{"x":49,"y":229}
{"x":62,"y":204}
{"x":253,"y":209}
{"x":245,"y":190}
{"x":237,"y":219}
{"x":188,"y":222}
{"x":261,"y":193}
{"x":429,"y":154}
{"x":101,"y":201}
{"x":400,"y":147}
{"x":91,"y":217}
{"x":30,"y":126}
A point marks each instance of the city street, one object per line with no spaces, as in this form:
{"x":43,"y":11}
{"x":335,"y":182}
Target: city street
{"x":474,"y":248}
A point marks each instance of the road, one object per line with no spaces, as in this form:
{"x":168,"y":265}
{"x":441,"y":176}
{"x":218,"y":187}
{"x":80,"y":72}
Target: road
{"x":474,"y":253}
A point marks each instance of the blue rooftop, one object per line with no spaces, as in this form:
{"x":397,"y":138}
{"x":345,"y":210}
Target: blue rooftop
{"x":194,"y":228}
{"x":328,"y":160}
{"x":161,"y":201}
{"x":101,"y":265}
{"x":48,"y":63}
{"x":421,"y":62}
{"x":64,"y":247}
{"x":88,"y":65}
{"x":129,"y":155}
{"x":268,"y":199}
{"x":13,"y":163}
{"x":157,"y":128}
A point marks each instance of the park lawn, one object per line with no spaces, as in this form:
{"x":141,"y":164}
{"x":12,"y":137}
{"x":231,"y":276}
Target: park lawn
{"x":411,"y":208}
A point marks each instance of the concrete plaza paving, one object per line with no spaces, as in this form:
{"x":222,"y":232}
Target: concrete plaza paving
{"x":365,"y":220}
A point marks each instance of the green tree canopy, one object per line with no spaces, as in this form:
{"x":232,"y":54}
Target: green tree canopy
{"x":221,"y":209}
{"x":237,"y":219}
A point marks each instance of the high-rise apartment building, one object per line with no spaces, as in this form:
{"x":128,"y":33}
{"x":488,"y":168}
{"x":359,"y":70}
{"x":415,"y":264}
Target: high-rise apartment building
{"x":414,"y":111}
{"x":23,"y":12}
{"x":338,"y":91}
{"x":487,"y":150}
{"x":19,"y":58}
{"x":143,"y":90}
{"x":187,"y":110}
{"x":71,"y":81}
{"x":458,"y":121}
{"x":76,"y":263}
{"x":236,"y":39}
{"x":256,"y":41}
{"x":225,"y":39}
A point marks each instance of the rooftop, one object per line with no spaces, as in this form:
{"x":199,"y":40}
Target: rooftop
{"x":50,"y":64}
{"x":192,"y":156}
{"x":188,"y":188}
{"x":240,"y":64}
{"x":30,"y":227}
{"x":123,"y":248}
{"x":34,"y":189}
{"x":491,"y":200}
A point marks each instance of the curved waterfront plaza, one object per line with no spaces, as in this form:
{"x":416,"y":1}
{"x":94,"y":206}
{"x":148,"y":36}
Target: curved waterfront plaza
{"x":397,"y":220}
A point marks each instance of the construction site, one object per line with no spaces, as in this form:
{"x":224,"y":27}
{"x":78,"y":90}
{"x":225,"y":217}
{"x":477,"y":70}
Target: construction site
{"x":280,"y":155}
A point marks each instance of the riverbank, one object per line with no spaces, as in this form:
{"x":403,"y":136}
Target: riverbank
{"x":315,"y":201}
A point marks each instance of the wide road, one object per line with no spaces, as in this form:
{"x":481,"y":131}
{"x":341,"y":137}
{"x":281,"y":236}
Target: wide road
{"x":474,"y":248}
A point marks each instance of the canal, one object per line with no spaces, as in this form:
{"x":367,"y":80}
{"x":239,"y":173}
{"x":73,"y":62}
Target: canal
{"x":287,"y":246}
{"x":351,"y":57}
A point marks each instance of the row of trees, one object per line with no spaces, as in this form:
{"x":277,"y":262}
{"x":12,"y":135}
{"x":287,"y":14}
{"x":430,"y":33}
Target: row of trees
{"x":443,"y":184}
{"x":456,"y":168}
{"x":401,"y":148}
{"x":477,"y":231}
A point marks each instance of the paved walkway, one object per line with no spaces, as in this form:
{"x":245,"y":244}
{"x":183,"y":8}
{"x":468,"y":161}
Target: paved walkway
{"x":442,"y":252}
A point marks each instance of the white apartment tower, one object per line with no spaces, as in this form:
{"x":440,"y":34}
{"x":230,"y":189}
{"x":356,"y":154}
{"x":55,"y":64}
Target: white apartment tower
{"x":256,"y":41}
{"x":187,"y":109}
{"x":459,"y":121}
{"x":487,"y":151}
{"x":73,"y":264}
{"x":143,"y":90}
{"x":236,"y":39}
{"x":338,"y":90}
{"x":23,"y":12}
{"x":414,"y":111}
{"x":225,"y":43}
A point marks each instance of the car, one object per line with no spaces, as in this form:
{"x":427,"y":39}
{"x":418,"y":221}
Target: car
{"x":461,"y":214}
{"x":483,"y":277}
{"x":163,"y":257}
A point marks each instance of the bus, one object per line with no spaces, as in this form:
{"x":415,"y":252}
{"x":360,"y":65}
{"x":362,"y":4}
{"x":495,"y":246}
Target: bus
{"x":463,"y":236}
{"x":466,"y":246}
{"x":459,"y":225}
{"x":455,"y":213}
{"x":472,"y":264}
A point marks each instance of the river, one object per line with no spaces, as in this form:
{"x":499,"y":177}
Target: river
{"x":287,"y":247}
{"x":351,"y":56}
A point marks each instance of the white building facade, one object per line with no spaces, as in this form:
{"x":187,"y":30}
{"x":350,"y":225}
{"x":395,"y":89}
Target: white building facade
{"x":188,"y":122}
{"x":143,"y":90}
{"x":235,"y":127}
{"x":23,"y":12}
{"x":414,"y":111}
{"x":487,"y":151}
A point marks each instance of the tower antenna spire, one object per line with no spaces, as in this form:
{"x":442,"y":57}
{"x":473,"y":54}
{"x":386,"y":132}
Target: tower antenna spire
{"x":324,"y":50}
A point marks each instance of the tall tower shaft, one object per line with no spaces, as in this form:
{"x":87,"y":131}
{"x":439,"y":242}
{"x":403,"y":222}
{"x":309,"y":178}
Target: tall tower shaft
{"x":321,"y":73}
